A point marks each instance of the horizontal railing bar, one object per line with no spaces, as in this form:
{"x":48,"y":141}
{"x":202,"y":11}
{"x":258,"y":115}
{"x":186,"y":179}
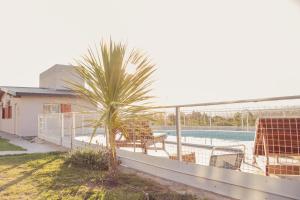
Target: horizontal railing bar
{"x":232,"y":102}
{"x":191,"y":144}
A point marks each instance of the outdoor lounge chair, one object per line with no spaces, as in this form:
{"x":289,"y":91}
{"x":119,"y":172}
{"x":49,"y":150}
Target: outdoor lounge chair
{"x":138,"y":134}
{"x":278,"y":140}
{"x":229,"y":157}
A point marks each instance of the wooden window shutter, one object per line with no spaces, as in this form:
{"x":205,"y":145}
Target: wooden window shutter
{"x":66,"y":108}
{"x":3,"y":113}
{"x":69,"y":108}
{"x":9,"y":112}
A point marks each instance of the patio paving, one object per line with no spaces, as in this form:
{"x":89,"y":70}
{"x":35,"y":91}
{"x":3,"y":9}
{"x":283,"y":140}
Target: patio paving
{"x":34,"y":146}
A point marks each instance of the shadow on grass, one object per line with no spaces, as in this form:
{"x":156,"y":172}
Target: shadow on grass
{"x":47,"y":176}
{"x":25,"y":175}
{"x":15,"y":161}
{"x":75,"y":182}
{"x":10,"y":168}
{"x":95,"y":184}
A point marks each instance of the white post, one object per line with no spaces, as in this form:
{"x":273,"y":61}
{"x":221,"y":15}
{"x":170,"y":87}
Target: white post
{"x":242,"y":116}
{"x":45,"y":125}
{"x":39,"y":126}
{"x":62,"y":128}
{"x":73,"y":130}
{"x":247,"y":121}
{"x":178,"y":134}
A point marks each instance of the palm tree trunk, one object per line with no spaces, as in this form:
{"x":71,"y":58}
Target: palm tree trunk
{"x":113,"y":156}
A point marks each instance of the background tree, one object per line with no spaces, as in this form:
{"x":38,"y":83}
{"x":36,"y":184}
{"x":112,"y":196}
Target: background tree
{"x":112,"y":89}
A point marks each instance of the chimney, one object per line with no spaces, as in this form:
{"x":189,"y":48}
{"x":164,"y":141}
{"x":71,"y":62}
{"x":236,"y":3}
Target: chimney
{"x":56,"y":77}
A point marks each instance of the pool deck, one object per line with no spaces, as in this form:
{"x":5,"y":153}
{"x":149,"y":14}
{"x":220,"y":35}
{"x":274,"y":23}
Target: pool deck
{"x":202,"y":147}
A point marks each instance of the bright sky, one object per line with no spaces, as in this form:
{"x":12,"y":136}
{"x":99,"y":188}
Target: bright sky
{"x":204,"y":50}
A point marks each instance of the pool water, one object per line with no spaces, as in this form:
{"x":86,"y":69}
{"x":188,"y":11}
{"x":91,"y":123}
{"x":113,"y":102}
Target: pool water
{"x":216,"y":134}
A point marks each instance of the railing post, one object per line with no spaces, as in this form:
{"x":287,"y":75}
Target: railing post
{"x":62,"y":128}
{"x":247,"y":121}
{"x":242,"y":119}
{"x":73,"y":130}
{"x":178,"y":134}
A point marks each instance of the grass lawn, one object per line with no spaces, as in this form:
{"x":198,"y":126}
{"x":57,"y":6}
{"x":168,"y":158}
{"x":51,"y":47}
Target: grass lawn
{"x":6,"y":146}
{"x":45,"y":176}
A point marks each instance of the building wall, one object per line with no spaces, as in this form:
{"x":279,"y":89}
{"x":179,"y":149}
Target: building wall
{"x":56,"y":77}
{"x":29,"y":107}
{"x":9,"y":125}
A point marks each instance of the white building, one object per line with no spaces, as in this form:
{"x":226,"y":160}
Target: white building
{"x":20,"y":106}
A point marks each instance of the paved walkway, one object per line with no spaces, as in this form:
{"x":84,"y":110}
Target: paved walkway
{"x":35,"y":146}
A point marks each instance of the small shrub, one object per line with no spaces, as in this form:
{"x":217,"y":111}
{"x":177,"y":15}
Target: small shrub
{"x":96,"y":159}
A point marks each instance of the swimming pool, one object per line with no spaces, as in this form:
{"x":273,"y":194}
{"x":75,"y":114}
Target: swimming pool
{"x":216,"y":134}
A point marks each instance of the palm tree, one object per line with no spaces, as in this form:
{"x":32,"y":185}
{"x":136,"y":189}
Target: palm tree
{"x":118,"y":94}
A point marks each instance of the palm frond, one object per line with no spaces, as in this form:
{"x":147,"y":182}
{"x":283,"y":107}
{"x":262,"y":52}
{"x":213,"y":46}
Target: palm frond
{"x":110,"y":87}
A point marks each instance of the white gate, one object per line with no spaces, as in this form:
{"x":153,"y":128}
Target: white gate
{"x":66,"y":128}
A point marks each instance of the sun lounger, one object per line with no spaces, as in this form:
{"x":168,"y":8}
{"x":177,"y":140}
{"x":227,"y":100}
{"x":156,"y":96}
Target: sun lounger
{"x":228,"y":157}
{"x":278,"y":140}
{"x":138,"y":134}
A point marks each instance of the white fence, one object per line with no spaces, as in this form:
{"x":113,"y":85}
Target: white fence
{"x":64,"y":128}
{"x":73,"y":130}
